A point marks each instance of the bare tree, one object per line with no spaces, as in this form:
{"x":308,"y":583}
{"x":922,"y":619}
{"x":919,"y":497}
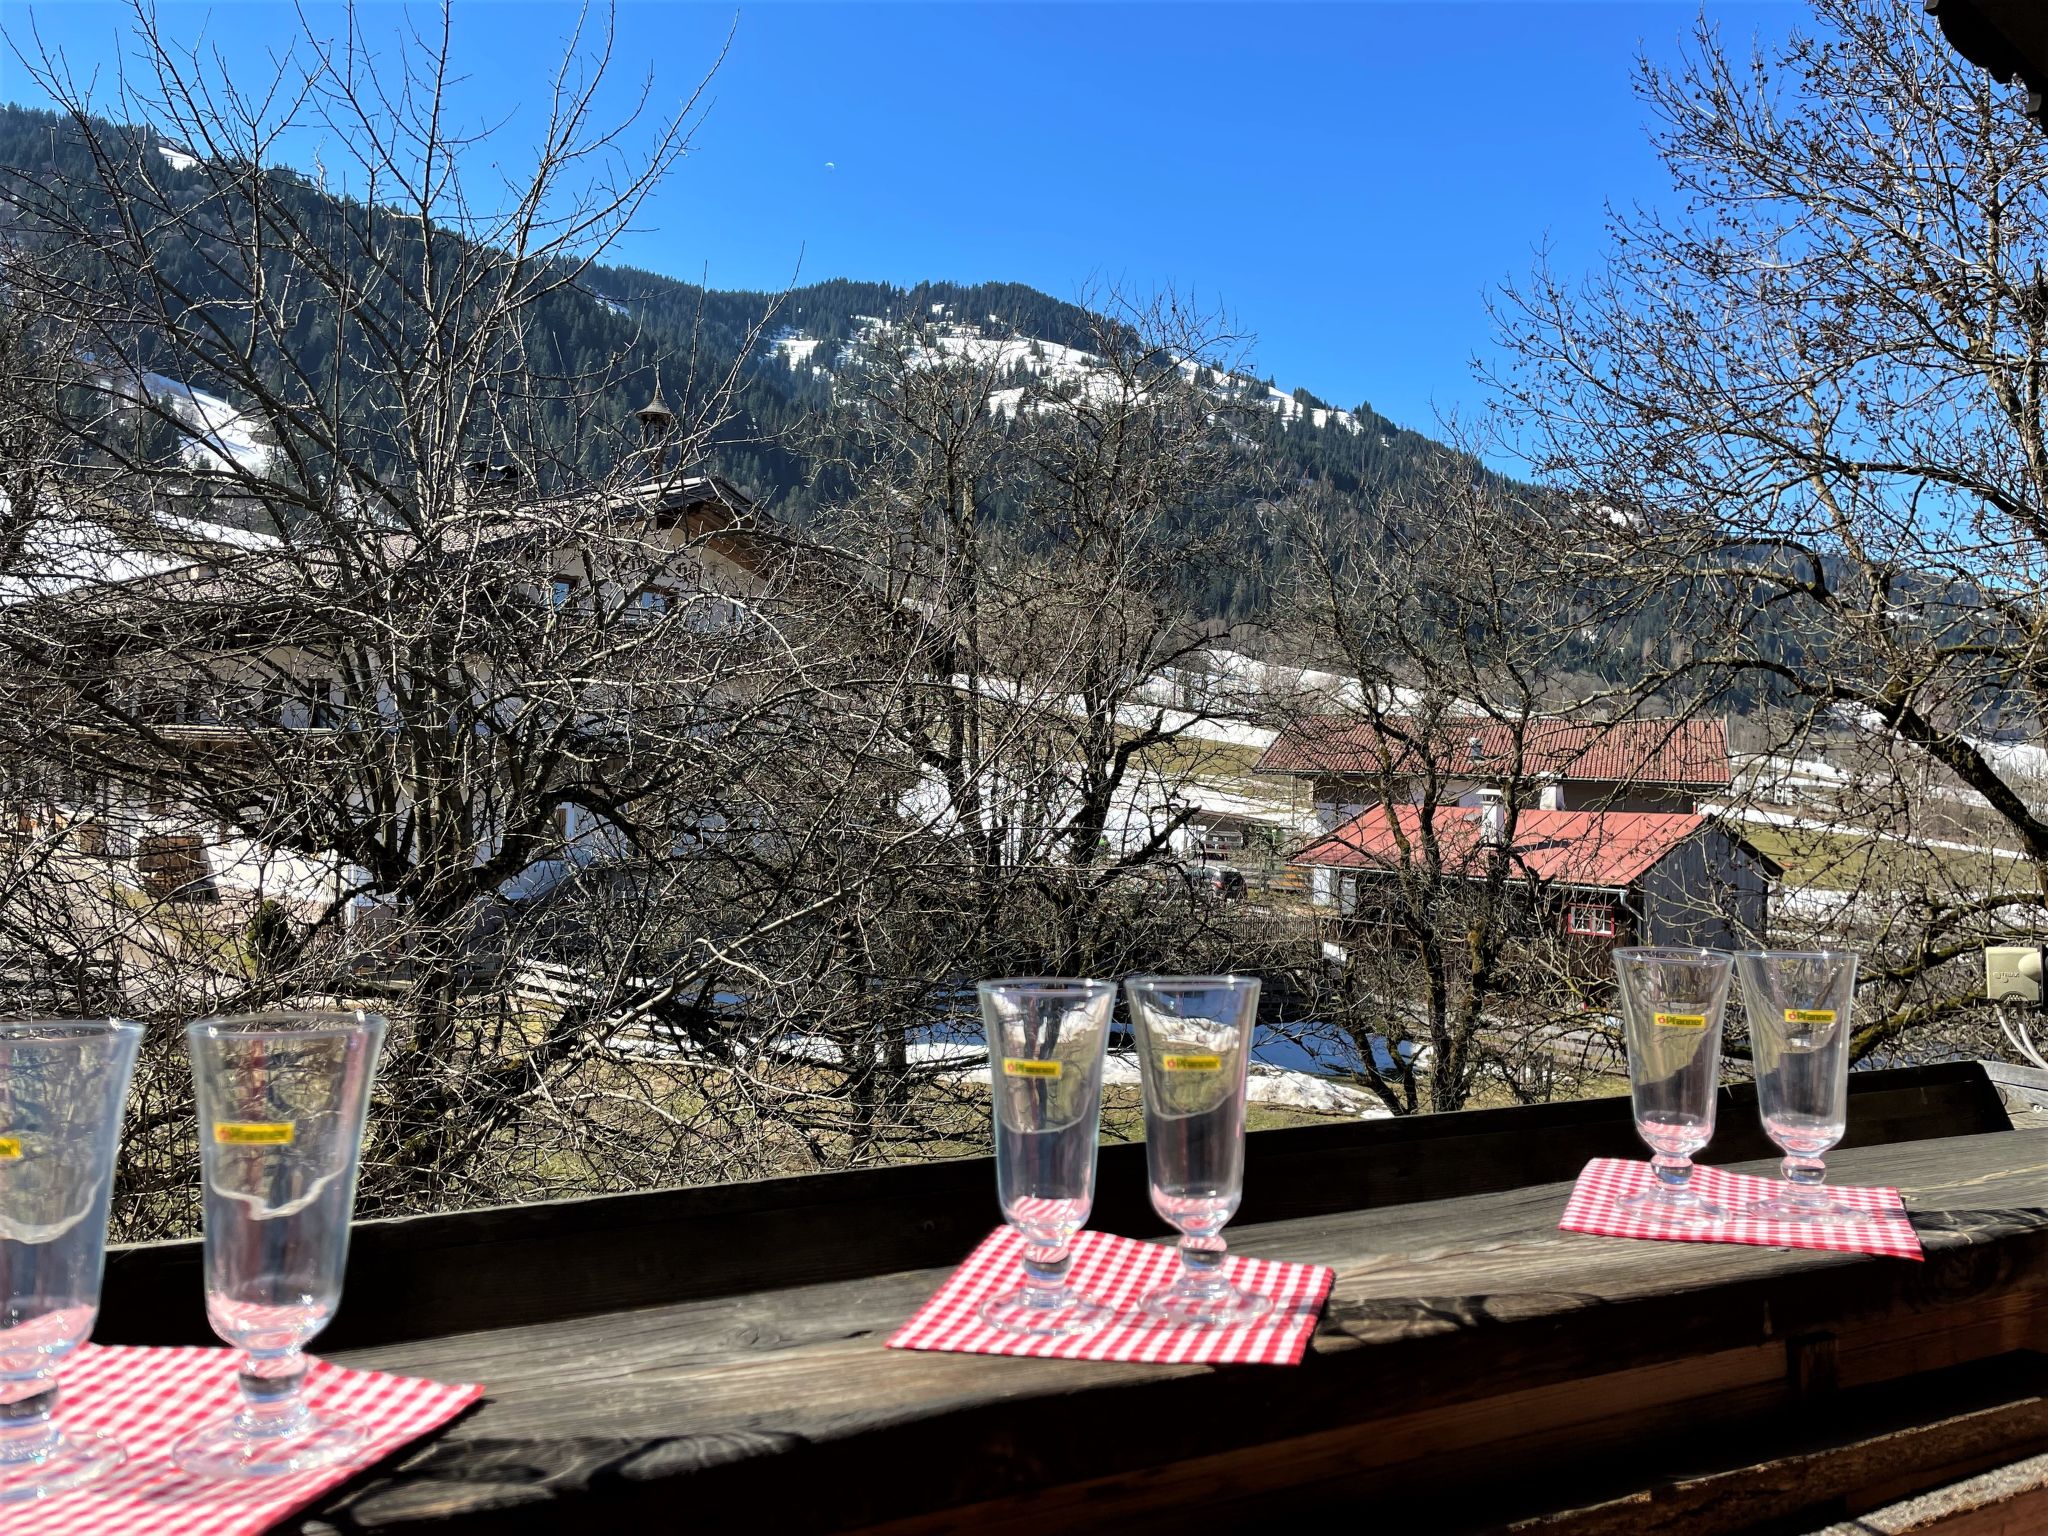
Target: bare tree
{"x":356,"y":649}
{"x":1805,"y":413}
{"x":1016,"y":775}
{"x":319,"y":562}
{"x":1440,"y":965}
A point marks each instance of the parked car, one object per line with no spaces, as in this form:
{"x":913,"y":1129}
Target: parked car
{"x":1219,"y":879}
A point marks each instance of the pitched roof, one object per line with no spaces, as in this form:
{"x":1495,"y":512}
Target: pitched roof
{"x":1587,"y":848}
{"x":1624,"y":751}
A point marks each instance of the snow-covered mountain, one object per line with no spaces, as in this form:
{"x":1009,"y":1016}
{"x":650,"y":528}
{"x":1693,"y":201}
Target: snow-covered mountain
{"x":992,"y":344}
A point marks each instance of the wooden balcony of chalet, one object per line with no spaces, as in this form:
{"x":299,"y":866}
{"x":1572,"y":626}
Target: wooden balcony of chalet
{"x":711,"y":1359}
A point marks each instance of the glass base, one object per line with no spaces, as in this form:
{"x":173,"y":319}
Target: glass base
{"x":1015,"y":1312}
{"x":224,"y":1449}
{"x":69,"y":1462}
{"x":1823,"y":1211}
{"x":1661,"y":1202}
{"x":1223,"y":1307}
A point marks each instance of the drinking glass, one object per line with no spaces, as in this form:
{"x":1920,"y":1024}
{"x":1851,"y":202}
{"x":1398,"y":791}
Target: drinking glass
{"x":1671,"y":1002}
{"x":1194,"y":1039}
{"x":1798,"y":1004}
{"x":282,"y":1097}
{"x":62,"y":1085}
{"x":1046,"y":1038}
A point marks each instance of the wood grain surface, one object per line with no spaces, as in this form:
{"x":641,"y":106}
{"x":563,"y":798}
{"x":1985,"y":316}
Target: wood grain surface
{"x":1474,"y":1362}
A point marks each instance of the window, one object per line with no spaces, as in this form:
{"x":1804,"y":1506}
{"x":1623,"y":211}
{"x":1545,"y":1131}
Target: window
{"x":320,"y":711}
{"x":653,"y":603}
{"x":562,"y":592}
{"x":1593,"y":918}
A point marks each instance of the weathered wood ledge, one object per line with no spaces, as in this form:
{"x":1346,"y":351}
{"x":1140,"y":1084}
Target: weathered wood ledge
{"x":711,"y":1359}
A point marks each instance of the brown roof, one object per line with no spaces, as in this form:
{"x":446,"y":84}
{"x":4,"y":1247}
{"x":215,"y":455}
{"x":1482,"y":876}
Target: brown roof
{"x":1691,"y":752}
{"x":1609,"y":849}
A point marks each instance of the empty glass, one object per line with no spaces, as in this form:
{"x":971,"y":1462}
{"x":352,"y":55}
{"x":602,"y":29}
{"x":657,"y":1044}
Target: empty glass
{"x":1194,"y":1040}
{"x":1046,"y":1038}
{"x":1671,"y":1005}
{"x":282,"y":1098}
{"x":62,"y":1085}
{"x":1798,"y":1004}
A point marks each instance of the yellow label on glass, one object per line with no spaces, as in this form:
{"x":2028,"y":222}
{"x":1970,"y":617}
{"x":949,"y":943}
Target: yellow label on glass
{"x":1191,"y":1063}
{"x":1679,"y":1020}
{"x":1016,"y":1066}
{"x":1809,"y":1015}
{"x":253,"y":1133}
{"x":10,"y":1147}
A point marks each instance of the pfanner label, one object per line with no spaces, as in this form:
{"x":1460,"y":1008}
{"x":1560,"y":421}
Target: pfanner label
{"x":10,"y":1148}
{"x":1018,"y":1066}
{"x":1809,"y":1015}
{"x":253,"y":1133}
{"x":1191,"y":1063}
{"x":1679,"y":1020}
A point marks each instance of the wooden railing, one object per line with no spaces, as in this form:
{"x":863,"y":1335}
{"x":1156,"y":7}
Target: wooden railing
{"x":711,"y":1359}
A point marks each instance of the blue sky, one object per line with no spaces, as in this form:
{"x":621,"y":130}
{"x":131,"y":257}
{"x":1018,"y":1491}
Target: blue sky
{"x":1348,"y":181}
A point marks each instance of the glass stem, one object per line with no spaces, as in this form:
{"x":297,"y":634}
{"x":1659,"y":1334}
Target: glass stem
{"x":1045,"y":1275}
{"x":1201,"y":1265}
{"x":1804,"y":1174}
{"x":1674,"y":1176}
{"x":272,"y":1403}
{"x":27,"y":1430}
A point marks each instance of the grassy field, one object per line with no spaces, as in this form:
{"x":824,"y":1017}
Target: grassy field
{"x":1836,"y":861}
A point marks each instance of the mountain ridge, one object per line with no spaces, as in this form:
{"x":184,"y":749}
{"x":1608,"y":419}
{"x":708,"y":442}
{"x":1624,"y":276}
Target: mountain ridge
{"x":633,"y":327}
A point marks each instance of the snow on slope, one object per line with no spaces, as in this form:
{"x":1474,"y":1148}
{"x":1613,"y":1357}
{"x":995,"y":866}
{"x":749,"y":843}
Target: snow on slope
{"x":794,"y":348}
{"x":1000,"y":352}
{"x":217,"y":436}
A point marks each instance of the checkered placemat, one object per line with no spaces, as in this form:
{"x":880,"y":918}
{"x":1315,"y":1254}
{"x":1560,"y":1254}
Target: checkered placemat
{"x":148,"y":1398}
{"x":1119,"y":1271}
{"x":1607,"y":1179}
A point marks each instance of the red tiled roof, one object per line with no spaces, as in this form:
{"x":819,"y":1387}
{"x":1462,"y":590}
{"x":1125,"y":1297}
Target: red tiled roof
{"x":1591,"y":848}
{"x":1622,"y":751}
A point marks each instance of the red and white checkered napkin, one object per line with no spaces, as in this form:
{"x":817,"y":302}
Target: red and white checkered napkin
{"x":1607,"y":1179}
{"x":1119,"y":1271}
{"x":148,"y":1398}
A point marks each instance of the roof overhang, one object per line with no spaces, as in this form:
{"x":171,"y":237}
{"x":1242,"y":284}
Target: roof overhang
{"x":2007,"y":38}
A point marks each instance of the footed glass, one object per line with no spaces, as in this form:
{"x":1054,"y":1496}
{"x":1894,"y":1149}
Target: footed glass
{"x":282,"y":1100}
{"x":63,"y":1083}
{"x":1194,"y":1041}
{"x":1046,"y":1039}
{"x":1672,"y":1001}
{"x":1798,"y":1004}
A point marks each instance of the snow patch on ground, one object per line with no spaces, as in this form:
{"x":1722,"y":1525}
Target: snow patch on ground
{"x":1287,"y":408}
{"x":1070,"y":368}
{"x":2017,"y":759}
{"x":1264,"y":1084}
{"x":218,"y":437}
{"x":795,"y":350}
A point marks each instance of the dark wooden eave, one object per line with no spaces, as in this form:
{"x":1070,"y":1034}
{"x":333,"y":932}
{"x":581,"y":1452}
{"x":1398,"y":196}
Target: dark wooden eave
{"x":2008,"y":38}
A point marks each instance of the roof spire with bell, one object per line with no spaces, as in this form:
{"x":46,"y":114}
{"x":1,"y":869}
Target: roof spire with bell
{"x":655,"y":417}
{"x":657,"y":422}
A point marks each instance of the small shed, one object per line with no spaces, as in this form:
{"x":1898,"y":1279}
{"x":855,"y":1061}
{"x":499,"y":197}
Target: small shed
{"x":1602,"y":878}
